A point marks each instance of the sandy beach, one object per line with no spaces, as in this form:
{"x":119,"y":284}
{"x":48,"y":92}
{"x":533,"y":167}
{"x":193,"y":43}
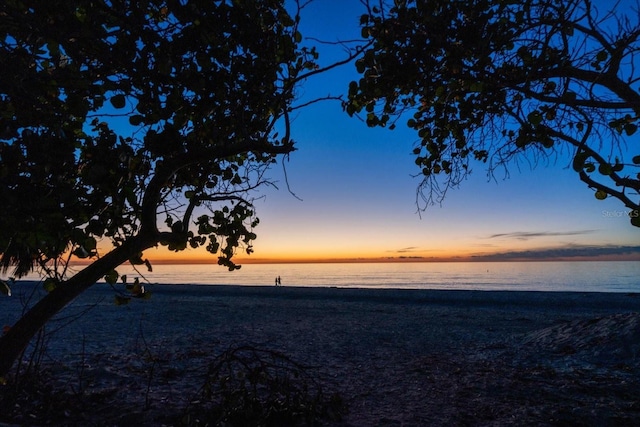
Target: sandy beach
{"x":396,"y":358}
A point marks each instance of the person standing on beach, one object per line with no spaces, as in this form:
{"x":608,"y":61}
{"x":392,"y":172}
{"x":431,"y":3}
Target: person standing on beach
{"x":279,"y":281}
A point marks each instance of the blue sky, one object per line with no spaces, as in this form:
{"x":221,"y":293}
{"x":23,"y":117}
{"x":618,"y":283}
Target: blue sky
{"x":358,"y":190}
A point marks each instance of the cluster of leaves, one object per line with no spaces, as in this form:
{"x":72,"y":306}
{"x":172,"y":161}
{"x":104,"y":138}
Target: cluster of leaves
{"x":131,"y":290}
{"x":250,"y":386}
{"x":114,"y":111}
{"x":488,"y":80}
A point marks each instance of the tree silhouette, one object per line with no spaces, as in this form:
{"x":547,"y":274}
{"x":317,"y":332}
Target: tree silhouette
{"x":494,"y":81}
{"x":136,"y":124}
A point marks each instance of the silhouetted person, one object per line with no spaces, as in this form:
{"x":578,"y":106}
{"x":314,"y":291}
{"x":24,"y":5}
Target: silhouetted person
{"x":279,"y":281}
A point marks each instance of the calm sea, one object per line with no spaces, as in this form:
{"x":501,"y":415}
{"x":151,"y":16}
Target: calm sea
{"x":619,"y":276}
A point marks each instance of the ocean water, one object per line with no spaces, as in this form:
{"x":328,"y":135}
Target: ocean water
{"x":602,"y":276}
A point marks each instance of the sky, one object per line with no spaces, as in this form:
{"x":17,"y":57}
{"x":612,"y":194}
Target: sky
{"x":354,"y":191}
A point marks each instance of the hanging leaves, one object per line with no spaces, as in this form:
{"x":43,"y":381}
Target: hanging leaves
{"x":497,"y":79}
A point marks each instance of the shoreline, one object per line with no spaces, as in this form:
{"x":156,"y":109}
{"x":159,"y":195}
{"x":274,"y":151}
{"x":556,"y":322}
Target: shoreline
{"x":559,"y":299}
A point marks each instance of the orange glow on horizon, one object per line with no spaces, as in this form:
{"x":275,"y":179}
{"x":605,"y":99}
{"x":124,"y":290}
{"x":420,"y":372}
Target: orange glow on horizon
{"x":200,"y":256}
{"x":444,"y":257}
{"x":161,"y":255}
{"x":241,"y":261}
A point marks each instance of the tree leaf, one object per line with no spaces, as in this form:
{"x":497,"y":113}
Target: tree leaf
{"x":111,"y":277}
{"x":121,"y":300}
{"x":4,"y":288}
{"x":136,"y":119}
{"x":136,"y":259}
{"x":535,"y":118}
{"x":90,"y":244}
{"x":137,"y":288}
{"x":118,"y":101}
{"x":579,"y":161}
{"x":476,"y":87}
{"x":630,"y":128}
{"x":605,"y":169}
{"x":600,"y":195}
{"x":50,"y":284}
{"x":81,"y":252}
{"x":602,"y":56}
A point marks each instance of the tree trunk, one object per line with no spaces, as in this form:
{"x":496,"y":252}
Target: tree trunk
{"x":18,"y":336}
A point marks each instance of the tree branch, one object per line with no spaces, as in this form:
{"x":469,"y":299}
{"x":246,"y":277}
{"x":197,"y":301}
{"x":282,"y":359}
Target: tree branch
{"x":617,"y":86}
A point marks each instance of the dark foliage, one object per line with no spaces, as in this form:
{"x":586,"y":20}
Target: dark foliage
{"x":494,"y":81}
{"x":127,"y":125}
{"x":250,"y":386}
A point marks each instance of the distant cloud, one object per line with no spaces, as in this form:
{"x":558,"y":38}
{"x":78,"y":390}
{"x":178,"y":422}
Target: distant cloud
{"x":526,"y":235}
{"x":405,"y":250}
{"x":564,"y":252}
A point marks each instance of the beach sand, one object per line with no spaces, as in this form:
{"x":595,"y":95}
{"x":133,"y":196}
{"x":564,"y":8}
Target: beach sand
{"x":396,"y":357}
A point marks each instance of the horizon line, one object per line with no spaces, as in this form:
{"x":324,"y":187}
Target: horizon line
{"x":372,"y":260}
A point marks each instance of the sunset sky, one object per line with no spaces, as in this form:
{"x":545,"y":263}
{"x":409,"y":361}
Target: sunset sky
{"x":358,"y":191}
